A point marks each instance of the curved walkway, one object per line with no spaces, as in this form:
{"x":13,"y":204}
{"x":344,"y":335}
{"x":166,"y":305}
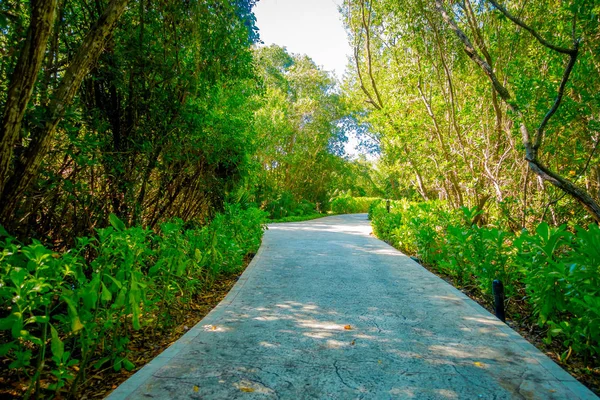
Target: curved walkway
{"x":327,"y":311}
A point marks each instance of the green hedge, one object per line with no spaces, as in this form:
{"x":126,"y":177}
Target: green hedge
{"x":66,"y":314}
{"x":346,"y":204}
{"x":558,"y":269}
{"x":284,"y":205}
{"x":299,"y":218}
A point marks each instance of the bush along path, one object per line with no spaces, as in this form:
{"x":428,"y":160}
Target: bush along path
{"x":67,"y":317}
{"x":325,"y":310}
{"x":550,"y":274}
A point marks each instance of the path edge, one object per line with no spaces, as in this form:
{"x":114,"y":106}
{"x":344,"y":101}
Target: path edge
{"x":127,"y":388}
{"x":577,"y":388}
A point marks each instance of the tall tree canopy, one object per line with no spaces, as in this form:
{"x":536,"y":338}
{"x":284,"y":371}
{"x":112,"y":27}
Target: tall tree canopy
{"x":132,"y":107}
{"x":477,"y":101}
{"x":298,"y":127}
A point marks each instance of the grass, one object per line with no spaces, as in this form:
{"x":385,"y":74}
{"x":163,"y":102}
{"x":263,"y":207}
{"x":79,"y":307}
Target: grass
{"x":299,"y":218}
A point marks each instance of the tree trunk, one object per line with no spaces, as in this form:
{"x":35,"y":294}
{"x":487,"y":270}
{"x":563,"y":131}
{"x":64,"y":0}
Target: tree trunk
{"x":532,"y":143}
{"x":22,"y":82}
{"x":87,"y":54}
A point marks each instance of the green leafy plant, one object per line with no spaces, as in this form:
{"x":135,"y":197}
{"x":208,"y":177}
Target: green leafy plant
{"x":555,"y":267}
{"x":345,"y":203}
{"x":92,"y":305}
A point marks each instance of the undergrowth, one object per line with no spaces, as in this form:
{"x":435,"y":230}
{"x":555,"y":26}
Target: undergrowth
{"x":64,"y":315}
{"x":299,"y":218}
{"x":555,"y":271}
{"x":345,"y":203}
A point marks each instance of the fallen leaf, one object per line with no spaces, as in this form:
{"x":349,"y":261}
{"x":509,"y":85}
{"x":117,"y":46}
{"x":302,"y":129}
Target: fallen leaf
{"x":348,"y":327}
{"x":196,"y":388}
{"x":246,"y":389}
{"x":478,"y":364}
{"x":352,"y":343}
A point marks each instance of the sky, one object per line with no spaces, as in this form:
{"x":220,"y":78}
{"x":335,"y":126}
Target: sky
{"x":311,"y":27}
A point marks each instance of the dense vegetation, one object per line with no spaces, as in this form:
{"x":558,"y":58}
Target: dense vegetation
{"x":143,"y":144}
{"x":483,"y":106}
{"x":300,"y":131}
{"x":80,"y":308}
{"x":138,"y":141}
{"x":156,"y":124}
{"x":550,"y":274}
{"x":486,"y":114}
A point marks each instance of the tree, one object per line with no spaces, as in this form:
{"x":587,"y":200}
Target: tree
{"x":297,"y":126}
{"x":532,"y":142}
{"x":25,"y":170}
{"x":149,"y":118}
{"x":433,"y":107}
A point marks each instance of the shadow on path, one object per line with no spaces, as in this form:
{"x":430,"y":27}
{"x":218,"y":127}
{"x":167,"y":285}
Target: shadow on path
{"x":327,"y":311}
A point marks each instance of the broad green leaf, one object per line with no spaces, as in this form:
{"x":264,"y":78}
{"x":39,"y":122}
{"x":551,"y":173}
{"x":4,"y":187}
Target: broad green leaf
{"x":106,"y":294}
{"x":128,"y":365}
{"x":56,"y":345}
{"x":116,"y":222}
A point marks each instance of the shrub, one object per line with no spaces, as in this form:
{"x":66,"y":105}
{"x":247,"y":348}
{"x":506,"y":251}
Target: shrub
{"x":285,"y":205}
{"x":346,"y":204}
{"x":557,"y":268}
{"x":562,"y":279}
{"x":65,"y":314}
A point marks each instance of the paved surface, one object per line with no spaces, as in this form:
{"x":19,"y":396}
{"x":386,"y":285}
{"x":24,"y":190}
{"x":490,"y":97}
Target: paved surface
{"x":326,"y":311}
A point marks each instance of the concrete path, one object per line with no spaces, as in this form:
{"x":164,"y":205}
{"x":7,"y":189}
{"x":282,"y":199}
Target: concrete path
{"x":326,"y":311}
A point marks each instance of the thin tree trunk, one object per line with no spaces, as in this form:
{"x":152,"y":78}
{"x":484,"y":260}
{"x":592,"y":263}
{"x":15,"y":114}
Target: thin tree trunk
{"x":377,"y":102}
{"x":22,"y":82}
{"x":532,"y":143}
{"x":86,"y":56}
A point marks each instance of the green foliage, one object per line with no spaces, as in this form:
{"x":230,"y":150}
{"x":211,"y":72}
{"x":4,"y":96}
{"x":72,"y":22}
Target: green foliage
{"x":444,"y":133}
{"x":398,"y":227}
{"x":298,"y":218}
{"x":557,"y":268}
{"x":283,"y":205}
{"x":562,"y":278}
{"x":345,"y":203}
{"x":298,"y":134}
{"x":92,"y":297}
{"x":160,"y":128}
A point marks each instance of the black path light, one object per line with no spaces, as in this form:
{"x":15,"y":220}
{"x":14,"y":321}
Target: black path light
{"x":498,"y":290}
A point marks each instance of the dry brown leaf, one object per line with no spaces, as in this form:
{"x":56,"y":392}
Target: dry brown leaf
{"x":348,"y":327}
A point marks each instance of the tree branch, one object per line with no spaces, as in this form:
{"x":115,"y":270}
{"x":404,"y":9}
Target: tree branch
{"x":366,"y":26}
{"x":561,"y":90}
{"x":87,"y":54}
{"x":529,"y":29}
{"x":531,"y":151}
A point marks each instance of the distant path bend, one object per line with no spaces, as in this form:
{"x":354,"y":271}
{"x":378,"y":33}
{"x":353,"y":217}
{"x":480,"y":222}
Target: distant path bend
{"x":327,"y":311}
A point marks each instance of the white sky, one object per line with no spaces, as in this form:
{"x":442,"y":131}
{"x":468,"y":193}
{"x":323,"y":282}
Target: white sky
{"x":311,"y":27}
